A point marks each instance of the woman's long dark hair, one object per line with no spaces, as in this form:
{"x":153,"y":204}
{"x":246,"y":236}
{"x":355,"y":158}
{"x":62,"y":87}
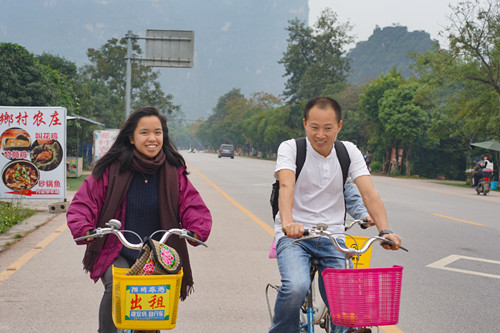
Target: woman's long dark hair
{"x":123,"y":150}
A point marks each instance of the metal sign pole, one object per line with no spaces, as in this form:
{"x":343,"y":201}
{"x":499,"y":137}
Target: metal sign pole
{"x":128,"y":84}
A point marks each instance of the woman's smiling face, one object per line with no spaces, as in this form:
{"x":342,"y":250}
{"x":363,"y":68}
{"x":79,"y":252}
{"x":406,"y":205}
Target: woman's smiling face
{"x":148,"y":136}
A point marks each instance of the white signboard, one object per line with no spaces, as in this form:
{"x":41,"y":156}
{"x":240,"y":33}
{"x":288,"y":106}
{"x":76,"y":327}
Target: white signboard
{"x":33,"y":152}
{"x":169,"y":48}
{"x":102,"y":142}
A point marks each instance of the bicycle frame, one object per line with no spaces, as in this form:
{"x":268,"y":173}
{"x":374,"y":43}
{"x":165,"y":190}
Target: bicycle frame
{"x":309,"y":303}
{"x":313,"y":315}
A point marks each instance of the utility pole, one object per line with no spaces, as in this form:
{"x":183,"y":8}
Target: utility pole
{"x":128,"y":81}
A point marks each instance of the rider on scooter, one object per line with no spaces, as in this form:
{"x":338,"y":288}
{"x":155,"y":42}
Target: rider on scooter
{"x":484,"y":168}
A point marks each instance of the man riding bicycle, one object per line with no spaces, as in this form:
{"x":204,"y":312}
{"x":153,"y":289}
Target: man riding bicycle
{"x":316,"y":197}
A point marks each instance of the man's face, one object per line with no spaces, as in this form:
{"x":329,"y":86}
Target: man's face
{"x":322,"y":129}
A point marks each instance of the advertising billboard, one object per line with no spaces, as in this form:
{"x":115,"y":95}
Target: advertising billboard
{"x":103,"y":139}
{"x":33,"y":152}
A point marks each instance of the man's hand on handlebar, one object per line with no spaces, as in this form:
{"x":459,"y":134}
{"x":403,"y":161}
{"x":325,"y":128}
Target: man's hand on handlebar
{"x":395,"y":239}
{"x":293,"y":230}
{"x":370,"y":222}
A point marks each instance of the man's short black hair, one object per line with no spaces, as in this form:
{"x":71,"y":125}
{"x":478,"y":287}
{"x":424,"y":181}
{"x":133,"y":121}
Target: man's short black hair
{"x":323,"y":103}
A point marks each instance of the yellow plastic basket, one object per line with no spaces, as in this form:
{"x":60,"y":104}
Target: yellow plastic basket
{"x":145,"y":302}
{"x":362,"y":261}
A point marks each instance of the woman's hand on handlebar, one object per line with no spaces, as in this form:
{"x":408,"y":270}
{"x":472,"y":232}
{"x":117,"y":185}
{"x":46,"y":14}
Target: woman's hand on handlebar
{"x":293,"y":230}
{"x":90,"y":232}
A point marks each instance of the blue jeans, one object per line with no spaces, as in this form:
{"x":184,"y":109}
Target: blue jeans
{"x":294,"y":262}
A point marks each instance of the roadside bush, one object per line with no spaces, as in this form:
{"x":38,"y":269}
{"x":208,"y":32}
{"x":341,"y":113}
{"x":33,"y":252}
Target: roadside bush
{"x":376,"y":166}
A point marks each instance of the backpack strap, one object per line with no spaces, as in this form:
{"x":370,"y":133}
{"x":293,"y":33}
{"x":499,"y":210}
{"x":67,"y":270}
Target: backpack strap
{"x":344,"y":159}
{"x":345,"y":162}
{"x":300,"y":158}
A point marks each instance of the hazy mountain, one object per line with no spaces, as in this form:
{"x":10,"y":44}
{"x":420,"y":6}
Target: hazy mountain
{"x":385,"y":49}
{"x":237,"y":43}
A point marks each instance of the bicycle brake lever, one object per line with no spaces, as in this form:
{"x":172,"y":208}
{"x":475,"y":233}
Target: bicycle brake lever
{"x":305,"y":238}
{"x":391,"y":243}
{"x":190,"y":235}
{"x":93,"y":233}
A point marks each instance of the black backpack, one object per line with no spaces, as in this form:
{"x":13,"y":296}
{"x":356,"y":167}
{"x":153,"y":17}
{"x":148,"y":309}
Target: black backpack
{"x":342,"y":155}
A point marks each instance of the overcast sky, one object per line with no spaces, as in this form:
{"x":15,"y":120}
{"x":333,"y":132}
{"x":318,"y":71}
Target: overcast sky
{"x":364,"y":15}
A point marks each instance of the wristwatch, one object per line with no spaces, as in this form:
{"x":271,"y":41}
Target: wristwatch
{"x":384,"y":232}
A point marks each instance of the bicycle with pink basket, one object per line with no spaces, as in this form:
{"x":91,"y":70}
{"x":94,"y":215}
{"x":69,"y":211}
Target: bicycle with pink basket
{"x":360,"y":298}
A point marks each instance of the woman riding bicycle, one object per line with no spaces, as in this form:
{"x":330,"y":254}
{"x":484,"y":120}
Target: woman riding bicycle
{"x":141,"y":181}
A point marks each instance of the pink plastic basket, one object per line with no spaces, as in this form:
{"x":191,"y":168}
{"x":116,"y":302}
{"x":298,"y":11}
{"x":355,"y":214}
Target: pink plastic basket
{"x":364,"y":297}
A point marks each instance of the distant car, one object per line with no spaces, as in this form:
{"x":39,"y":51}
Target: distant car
{"x":226,"y":151}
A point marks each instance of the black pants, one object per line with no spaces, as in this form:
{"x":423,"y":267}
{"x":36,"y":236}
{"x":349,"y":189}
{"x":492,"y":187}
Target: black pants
{"x":475,"y":178}
{"x":106,"y":324}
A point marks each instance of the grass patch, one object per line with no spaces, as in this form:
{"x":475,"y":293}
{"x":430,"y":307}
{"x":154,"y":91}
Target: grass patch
{"x":75,"y":183}
{"x":11,"y":213}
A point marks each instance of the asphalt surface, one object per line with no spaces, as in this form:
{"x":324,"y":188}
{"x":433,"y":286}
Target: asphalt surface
{"x":230,"y":275}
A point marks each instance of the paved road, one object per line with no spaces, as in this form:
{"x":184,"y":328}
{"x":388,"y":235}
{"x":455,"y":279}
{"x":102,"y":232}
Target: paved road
{"x":42,"y":285}
{"x":50,"y":290}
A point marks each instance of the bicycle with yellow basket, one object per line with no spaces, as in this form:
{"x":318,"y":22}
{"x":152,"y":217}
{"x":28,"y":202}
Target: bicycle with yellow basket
{"x":146,"y":296}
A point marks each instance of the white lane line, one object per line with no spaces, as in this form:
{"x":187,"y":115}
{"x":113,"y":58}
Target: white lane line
{"x":443,"y":263}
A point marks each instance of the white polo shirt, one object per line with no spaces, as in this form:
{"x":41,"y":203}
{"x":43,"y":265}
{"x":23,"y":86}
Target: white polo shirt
{"x":318,"y":192}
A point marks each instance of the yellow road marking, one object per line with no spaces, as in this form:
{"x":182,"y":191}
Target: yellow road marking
{"x":261,"y":223}
{"x":459,"y":220}
{"x":16,"y":265}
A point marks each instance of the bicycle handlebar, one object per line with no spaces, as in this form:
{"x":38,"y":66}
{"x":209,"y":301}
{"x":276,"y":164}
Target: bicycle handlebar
{"x":320,"y":230}
{"x":114,"y":228}
{"x":362,"y":223}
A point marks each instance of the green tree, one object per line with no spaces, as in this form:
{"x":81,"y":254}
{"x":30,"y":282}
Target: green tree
{"x":403,"y":120}
{"x":474,"y":38}
{"x":373,"y":93}
{"x":72,"y":96}
{"x":63,"y":66}
{"x":354,"y":127}
{"x":462,"y":110}
{"x":315,"y":57}
{"x":474,"y":35}
{"x":24,"y":81}
{"x":64,"y":73}
{"x":214,"y":131}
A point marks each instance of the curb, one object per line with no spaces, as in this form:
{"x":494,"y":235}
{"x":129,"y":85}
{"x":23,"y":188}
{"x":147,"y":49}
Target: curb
{"x":20,"y":230}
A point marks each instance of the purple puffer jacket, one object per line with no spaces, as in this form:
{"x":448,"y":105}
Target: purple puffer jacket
{"x":85,"y":207}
